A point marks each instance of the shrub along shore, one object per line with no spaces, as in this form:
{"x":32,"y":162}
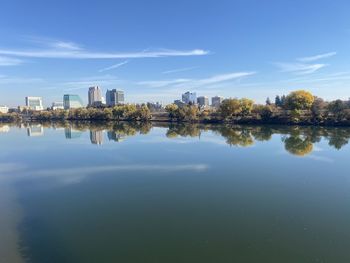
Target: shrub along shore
{"x":299,"y":107}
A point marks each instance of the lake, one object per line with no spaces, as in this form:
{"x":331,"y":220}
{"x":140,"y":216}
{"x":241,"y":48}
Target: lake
{"x":123,"y":192}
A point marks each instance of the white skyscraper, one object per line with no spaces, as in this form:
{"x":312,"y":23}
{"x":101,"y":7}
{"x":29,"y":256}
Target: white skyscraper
{"x":95,"y":96}
{"x":34,"y":103}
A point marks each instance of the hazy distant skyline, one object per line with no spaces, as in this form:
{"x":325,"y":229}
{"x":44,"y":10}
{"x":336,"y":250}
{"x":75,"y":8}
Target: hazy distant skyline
{"x":157,"y":50}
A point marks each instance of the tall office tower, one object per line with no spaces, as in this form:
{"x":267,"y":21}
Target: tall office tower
{"x":72,"y":102}
{"x":216,"y":101}
{"x":114,"y":97}
{"x":189,"y":97}
{"x":203,"y":101}
{"x":95,"y":96}
{"x":34,"y":103}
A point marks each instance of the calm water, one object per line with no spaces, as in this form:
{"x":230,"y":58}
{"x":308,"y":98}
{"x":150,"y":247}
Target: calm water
{"x":182,"y":193}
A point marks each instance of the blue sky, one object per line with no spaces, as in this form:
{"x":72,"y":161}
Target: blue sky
{"x":155,"y":50}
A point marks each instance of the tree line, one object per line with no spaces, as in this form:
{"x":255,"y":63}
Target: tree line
{"x":298,"y":107}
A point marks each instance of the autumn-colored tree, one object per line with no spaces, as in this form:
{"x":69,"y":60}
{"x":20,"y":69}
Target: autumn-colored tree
{"x":230,"y":107}
{"x":299,"y":100}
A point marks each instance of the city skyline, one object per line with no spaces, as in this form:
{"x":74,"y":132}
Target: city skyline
{"x":252,"y":50}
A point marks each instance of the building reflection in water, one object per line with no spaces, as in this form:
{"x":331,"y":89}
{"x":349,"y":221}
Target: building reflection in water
{"x":96,"y":137}
{"x":115,"y":136}
{"x":35,"y":130}
{"x":71,"y":133}
{"x":4,"y":129}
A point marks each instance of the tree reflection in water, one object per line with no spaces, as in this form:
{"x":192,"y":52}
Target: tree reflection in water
{"x":298,"y":140}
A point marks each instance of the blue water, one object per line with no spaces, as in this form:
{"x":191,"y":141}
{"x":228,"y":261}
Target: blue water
{"x":179,"y":193}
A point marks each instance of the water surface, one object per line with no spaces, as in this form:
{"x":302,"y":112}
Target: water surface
{"x":121,"y":192}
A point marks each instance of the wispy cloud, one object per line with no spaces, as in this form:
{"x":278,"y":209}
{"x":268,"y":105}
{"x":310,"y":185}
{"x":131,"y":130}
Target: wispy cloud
{"x":114,"y":66}
{"x":20,"y":80}
{"x":300,"y":68}
{"x":65,"y":45}
{"x":82,"y":83}
{"x":303,"y":66}
{"x":70,"y":50}
{"x":163,"y":83}
{"x":178,"y":70}
{"x":6,"y":61}
{"x":193,"y":83}
{"x":317,"y":57}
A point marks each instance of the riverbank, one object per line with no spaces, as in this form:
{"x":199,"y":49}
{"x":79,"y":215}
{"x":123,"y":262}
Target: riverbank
{"x":277,"y":118}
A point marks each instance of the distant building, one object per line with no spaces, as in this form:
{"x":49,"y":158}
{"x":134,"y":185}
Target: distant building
{"x":189,"y":97}
{"x":154,"y":106}
{"x":216,"y":101}
{"x":4,"y":109}
{"x":72,"y":102}
{"x":203,"y":101}
{"x":96,"y":137}
{"x":95,"y":96}
{"x":57,"y":106}
{"x":114,"y":97}
{"x":34,"y":103}
{"x":179,"y":103}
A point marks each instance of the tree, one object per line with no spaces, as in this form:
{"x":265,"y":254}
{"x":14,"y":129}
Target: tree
{"x":246,"y":106}
{"x":268,"y":101}
{"x":144,"y":113}
{"x":299,"y":100}
{"x":265,"y":111}
{"x":283,"y":101}
{"x":336,"y":106}
{"x":230,"y":107}
{"x":118,"y":112}
{"x":318,"y":106}
{"x":171,"y":109}
{"x":191,"y":112}
{"x":278,"y":101}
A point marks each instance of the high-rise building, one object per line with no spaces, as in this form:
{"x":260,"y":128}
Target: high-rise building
{"x":216,"y":101}
{"x":4,"y":109}
{"x":203,"y":101}
{"x":57,"y":106}
{"x":189,"y":97}
{"x":114,"y":97}
{"x":72,"y":102}
{"x":34,"y":103}
{"x":95,"y":96}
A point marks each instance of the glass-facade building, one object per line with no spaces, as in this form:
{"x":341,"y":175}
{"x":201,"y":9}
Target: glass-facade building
{"x":203,"y":101}
{"x":216,"y":101}
{"x":72,"y":101}
{"x":114,"y":97}
{"x":189,"y":97}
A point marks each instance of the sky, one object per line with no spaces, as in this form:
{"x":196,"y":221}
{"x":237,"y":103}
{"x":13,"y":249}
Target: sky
{"x":156,"y":50}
